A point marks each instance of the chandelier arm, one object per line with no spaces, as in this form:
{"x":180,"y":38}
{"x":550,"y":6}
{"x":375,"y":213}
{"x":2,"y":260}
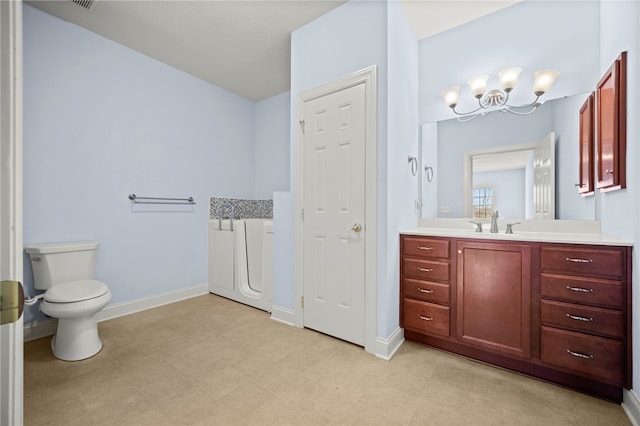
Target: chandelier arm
{"x":466,"y":113}
{"x":464,"y":119}
{"x":535,"y":101}
{"x":534,"y":107}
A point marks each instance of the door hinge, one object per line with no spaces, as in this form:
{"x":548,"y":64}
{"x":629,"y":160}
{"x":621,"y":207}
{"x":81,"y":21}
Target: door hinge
{"x":302,"y":125}
{"x":302,"y":214}
{"x":302,"y":301}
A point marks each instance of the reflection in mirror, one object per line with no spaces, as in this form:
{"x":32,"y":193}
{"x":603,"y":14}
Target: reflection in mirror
{"x":448,"y":147}
{"x":516,"y":180}
{"x":499,"y":173}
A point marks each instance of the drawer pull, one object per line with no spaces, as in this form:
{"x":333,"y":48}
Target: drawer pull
{"x":424,"y":248}
{"x":578,"y":260}
{"x":425,"y":269}
{"x":579,"y":318}
{"x":423,"y":318}
{"x":580,"y":289}
{"x":579,"y":355}
{"x":425,"y":290}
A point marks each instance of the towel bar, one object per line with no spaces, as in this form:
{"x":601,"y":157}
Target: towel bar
{"x":160,"y":200}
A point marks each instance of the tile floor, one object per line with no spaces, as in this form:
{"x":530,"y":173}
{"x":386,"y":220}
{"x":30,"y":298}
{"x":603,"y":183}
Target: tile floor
{"x":212,"y":361}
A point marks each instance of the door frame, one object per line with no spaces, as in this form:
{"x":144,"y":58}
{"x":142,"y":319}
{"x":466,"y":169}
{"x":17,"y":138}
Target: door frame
{"x":368,"y":76}
{"x":11,"y":195}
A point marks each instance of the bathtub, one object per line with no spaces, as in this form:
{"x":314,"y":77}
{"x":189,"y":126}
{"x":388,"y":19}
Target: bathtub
{"x":241,"y":261}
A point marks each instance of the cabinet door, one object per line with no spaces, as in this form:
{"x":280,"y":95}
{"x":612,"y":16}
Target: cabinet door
{"x":494,"y":296}
{"x":585,"y":183}
{"x":611,"y":116}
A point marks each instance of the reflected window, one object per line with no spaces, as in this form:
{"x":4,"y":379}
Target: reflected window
{"x":482,"y":201}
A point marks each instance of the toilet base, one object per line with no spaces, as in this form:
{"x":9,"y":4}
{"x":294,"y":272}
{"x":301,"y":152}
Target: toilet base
{"x":76,"y":339}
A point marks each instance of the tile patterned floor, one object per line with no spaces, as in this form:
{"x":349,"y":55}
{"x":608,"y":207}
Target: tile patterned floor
{"x":212,"y":361}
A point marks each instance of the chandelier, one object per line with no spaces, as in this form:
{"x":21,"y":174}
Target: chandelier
{"x":498,"y":99}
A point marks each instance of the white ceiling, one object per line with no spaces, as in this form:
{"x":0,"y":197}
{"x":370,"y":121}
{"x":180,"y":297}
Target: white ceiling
{"x":242,"y":46}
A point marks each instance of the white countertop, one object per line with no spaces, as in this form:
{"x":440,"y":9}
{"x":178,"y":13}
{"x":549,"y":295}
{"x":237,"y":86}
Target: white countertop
{"x":550,"y":231}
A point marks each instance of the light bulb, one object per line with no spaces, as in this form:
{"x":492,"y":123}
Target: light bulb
{"x":509,"y":78}
{"x":451,"y":95}
{"x":543,"y":80}
{"x":478,"y":85}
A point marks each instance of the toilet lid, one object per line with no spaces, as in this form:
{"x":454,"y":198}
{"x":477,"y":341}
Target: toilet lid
{"x":75,"y":291}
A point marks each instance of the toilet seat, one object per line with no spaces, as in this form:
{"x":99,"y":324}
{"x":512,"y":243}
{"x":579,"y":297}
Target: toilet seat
{"x":75,"y":291}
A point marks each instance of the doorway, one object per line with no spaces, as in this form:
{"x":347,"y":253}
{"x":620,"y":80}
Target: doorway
{"x":336,"y":202}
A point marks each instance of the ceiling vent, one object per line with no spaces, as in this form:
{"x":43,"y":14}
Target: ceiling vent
{"x":87,"y":4}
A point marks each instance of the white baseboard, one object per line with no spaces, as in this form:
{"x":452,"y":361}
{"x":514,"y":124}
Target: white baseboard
{"x":386,"y":348}
{"x":39,"y":329}
{"x":631,"y":406}
{"x":138,"y":305}
{"x":283,"y":315}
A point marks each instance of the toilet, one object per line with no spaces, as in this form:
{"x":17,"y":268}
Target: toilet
{"x":66,"y":272}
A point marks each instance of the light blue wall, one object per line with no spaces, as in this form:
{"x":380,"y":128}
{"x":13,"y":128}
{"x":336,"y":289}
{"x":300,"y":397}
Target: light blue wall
{"x":403,"y":131}
{"x":620,"y":23}
{"x":532,"y":35}
{"x":271,"y":139}
{"x":350,"y":38}
{"x":102,"y":121}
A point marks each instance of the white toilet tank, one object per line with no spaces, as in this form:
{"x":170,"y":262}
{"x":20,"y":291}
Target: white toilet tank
{"x":62,"y":262}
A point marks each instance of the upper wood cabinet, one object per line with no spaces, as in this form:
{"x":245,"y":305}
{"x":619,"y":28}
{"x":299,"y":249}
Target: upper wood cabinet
{"x":586,"y":166}
{"x":611,"y":126}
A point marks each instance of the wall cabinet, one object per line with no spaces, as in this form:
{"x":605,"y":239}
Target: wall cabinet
{"x":611,"y":125}
{"x":559,"y":312}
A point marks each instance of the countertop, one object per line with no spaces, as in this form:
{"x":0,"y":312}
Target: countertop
{"x":550,"y":231}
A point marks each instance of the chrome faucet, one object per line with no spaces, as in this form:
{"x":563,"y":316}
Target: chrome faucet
{"x":232,"y":215}
{"x":494,"y":222}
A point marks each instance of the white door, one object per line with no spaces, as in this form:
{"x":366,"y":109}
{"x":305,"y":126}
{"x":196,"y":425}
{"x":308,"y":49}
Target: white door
{"x":544,"y":178}
{"x":334,"y":208}
{"x":11,"y":205}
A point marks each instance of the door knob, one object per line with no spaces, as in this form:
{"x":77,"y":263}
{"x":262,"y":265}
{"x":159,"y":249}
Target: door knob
{"x":355,"y":228}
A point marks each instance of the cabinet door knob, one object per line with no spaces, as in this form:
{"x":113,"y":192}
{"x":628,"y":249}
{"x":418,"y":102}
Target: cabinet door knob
{"x":425,"y":290}
{"x":425,"y":269}
{"x":423,"y":318}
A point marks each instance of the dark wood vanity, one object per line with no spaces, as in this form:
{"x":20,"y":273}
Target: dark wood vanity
{"x":559,"y":312}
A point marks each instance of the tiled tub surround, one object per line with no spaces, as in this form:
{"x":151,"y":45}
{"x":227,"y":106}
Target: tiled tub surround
{"x":243,"y":208}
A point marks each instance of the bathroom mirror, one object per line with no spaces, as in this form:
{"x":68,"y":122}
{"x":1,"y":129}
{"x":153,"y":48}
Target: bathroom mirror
{"x":496,"y":151}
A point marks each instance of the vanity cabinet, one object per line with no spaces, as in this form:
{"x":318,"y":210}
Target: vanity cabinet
{"x":425,"y":285}
{"x":583,"y":311}
{"x":559,"y":312}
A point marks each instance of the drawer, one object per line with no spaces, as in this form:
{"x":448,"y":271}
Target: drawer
{"x":430,"y":270}
{"x":426,"y":247}
{"x":426,"y":317}
{"x":607,"y":322}
{"x":591,"y":356}
{"x":583,"y":290}
{"x":606,"y":262}
{"x":426,"y":290}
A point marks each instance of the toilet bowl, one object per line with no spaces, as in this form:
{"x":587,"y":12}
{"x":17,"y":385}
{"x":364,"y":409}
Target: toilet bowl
{"x":72,"y":296}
